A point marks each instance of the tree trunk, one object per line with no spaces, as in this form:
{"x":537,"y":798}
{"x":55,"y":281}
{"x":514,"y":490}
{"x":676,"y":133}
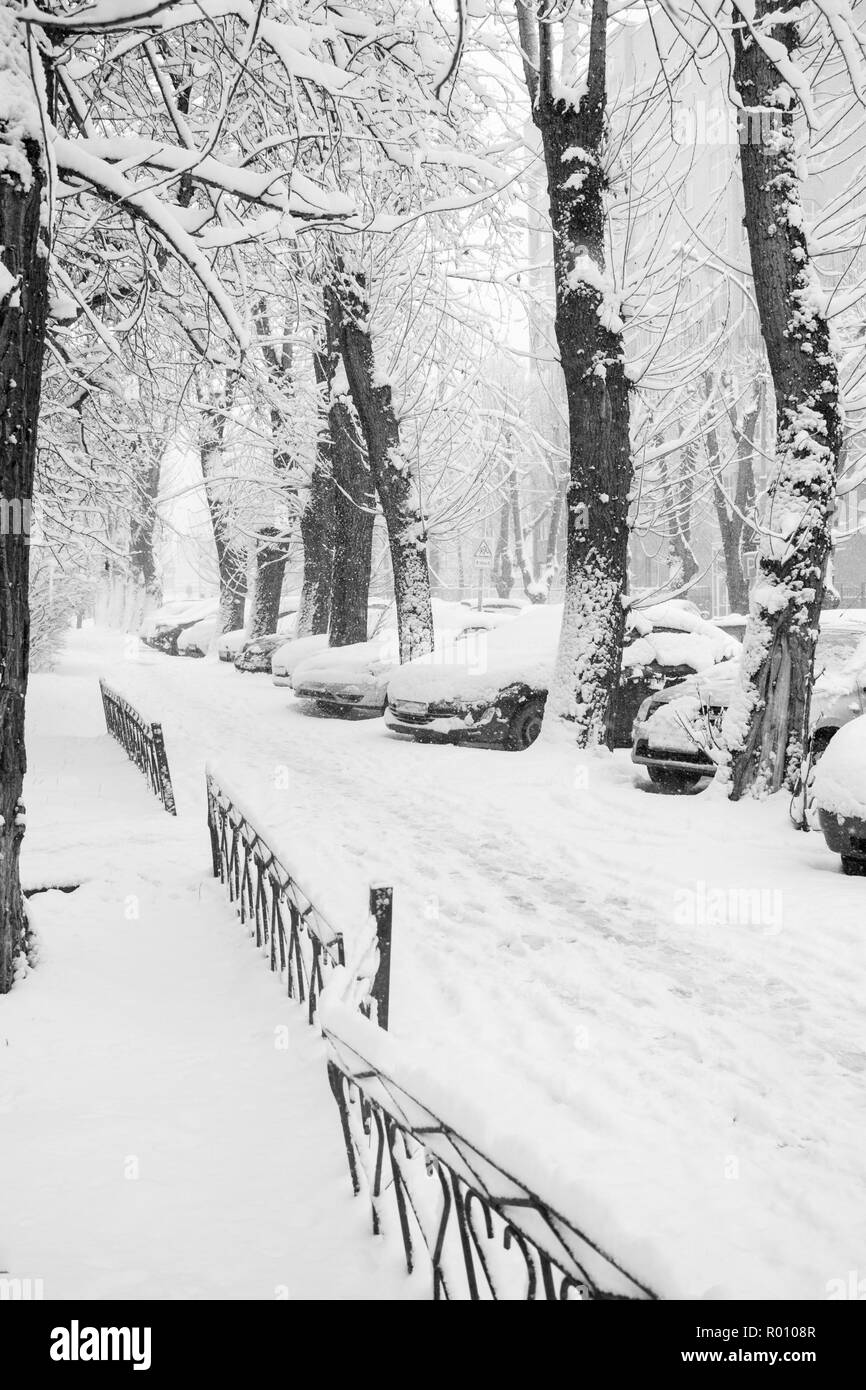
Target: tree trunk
{"x":734,"y":524}
{"x":678,"y":493}
{"x":231,"y":558}
{"x":317,"y":535}
{"x":354,"y":504}
{"x":531,"y":589}
{"x":553,"y":531}
{"x":273,"y":543}
{"x":389,"y":467}
{"x":231,"y":564}
{"x":589,"y":335}
{"x":503,"y":570}
{"x":354,"y":515}
{"x":142,"y":532}
{"x":271,"y":552}
{"x":766,"y":725}
{"x":23,"y":307}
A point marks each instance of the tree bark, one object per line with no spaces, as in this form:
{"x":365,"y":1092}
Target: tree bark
{"x":24,"y":255}
{"x":354,"y":515}
{"x":589,"y":336}
{"x":270,"y":568}
{"x":503,"y":570}
{"x":734,"y":524}
{"x":231,"y":558}
{"x":273,"y":544}
{"x":142,"y":532}
{"x":317,"y":535}
{"x":767,"y":723}
{"x":389,"y":467}
{"x":354,"y":502}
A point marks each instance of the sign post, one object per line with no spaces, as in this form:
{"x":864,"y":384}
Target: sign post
{"x":483,"y":560}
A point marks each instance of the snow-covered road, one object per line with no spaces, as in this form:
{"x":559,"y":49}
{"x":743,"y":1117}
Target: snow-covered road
{"x":665,"y":993}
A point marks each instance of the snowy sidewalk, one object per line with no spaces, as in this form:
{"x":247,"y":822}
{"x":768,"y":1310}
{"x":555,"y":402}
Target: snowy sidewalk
{"x":168,"y":1130}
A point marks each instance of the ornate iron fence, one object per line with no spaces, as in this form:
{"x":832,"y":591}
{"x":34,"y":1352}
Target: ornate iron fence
{"x":302,"y":945}
{"x":481,"y":1232}
{"x":143,"y":743}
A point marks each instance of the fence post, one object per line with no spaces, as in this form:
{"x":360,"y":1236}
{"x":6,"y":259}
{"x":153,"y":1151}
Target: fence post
{"x":167,"y":791}
{"x":381,"y":906}
{"x":213,"y":827}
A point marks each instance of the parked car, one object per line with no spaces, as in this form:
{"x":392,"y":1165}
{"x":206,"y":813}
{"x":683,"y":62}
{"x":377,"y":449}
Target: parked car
{"x":353,"y":680}
{"x":839,"y":790}
{"x":499,"y":702}
{"x":164,"y":627}
{"x":232,"y":643}
{"x":196,"y":640}
{"x":676,"y":729}
{"x":288,"y":655}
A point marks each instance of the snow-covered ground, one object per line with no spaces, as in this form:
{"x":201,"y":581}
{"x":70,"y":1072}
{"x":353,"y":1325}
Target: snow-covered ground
{"x":167,"y":1127}
{"x":663,"y":993}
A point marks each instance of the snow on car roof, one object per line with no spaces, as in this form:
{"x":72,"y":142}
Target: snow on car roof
{"x":520,"y":651}
{"x":695,"y":650}
{"x":840,"y":775}
{"x":290,"y":655}
{"x":670,"y":635}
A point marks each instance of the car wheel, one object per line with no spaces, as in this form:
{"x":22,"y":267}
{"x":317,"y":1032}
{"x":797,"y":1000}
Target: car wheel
{"x":525,"y":725}
{"x":672,"y":779}
{"x":855,"y":867}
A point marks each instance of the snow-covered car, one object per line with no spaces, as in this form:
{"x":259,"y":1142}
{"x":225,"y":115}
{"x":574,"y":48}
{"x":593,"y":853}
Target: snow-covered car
{"x":164,"y":628}
{"x":196,"y":640}
{"x":287,"y":656}
{"x":496,"y":697}
{"x":353,"y":680}
{"x":839,"y":792}
{"x":231,"y":643}
{"x":255,"y":655}
{"x":677,"y":729}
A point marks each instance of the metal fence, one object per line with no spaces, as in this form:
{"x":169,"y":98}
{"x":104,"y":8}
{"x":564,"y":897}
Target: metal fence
{"x":302,"y":945}
{"x":480,"y":1232}
{"x":142,"y":741}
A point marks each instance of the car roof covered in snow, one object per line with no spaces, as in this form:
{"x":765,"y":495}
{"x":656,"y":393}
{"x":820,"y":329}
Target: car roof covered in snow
{"x":840,"y":775}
